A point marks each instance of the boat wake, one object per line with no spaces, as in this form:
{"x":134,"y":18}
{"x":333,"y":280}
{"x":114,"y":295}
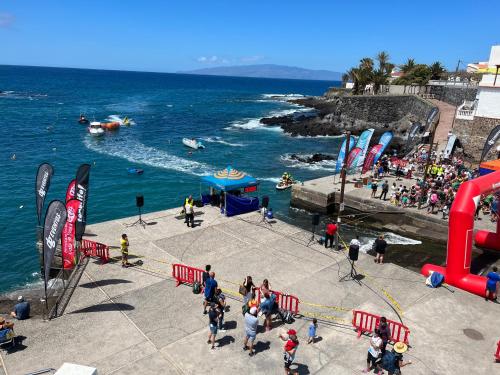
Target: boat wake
{"x":274,"y":180}
{"x":391,"y":239}
{"x":221,"y":141}
{"x":116,"y":118}
{"x":324,"y":165}
{"x":137,"y":152}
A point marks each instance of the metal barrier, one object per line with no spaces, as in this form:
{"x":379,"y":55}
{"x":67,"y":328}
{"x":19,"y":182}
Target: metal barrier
{"x":285,"y":302}
{"x":95,"y":249}
{"x":497,"y":354}
{"x":366,"y":322}
{"x":186,"y":275}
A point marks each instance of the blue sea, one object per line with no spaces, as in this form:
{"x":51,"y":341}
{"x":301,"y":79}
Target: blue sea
{"x":39,"y":109}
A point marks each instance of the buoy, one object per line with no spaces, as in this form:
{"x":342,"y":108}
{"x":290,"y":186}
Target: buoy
{"x":13,"y":157}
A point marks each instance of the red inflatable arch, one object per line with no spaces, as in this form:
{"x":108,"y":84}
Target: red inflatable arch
{"x":460,"y":234}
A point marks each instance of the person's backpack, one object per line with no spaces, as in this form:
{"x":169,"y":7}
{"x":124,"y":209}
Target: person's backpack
{"x":245,"y":308}
{"x":196,"y":287}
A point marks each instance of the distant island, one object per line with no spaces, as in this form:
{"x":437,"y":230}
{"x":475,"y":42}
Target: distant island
{"x":268,"y":71}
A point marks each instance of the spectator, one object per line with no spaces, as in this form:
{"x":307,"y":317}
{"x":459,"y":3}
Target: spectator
{"x":290,"y":350}
{"x":124,"y":249}
{"x":251,"y":324}
{"x":189,"y":214}
{"x":395,"y":359}
{"x":312,"y":331}
{"x":374,"y":352}
{"x":220,"y":300}
{"x":385,"y":333}
{"x":5,"y":324}
{"x":374,"y":188}
{"x":189,"y":201}
{"x":494,"y":209}
{"x":331,"y":229}
{"x":491,"y":284}
{"x":213,"y":318}
{"x":380,"y":245}
{"x":21,"y":309}
{"x":206,"y":274}
{"x":209,"y":292}
{"x":385,"y":190}
{"x":249,"y":288}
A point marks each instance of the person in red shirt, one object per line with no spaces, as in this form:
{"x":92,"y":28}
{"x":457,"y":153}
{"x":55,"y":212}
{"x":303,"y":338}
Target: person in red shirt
{"x":331,"y":229}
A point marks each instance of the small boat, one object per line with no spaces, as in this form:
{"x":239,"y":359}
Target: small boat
{"x":83,"y":120}
{"x":283,"y":185}
{"x":95,"y":129}
{"x":110,"y":125}
{"x":135,"y":171}
{"x":193,"y":143}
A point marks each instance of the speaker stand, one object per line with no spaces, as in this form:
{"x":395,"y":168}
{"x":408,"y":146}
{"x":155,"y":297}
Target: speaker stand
{"x":263,"y":217}
{"x":138,"y":221}
{"x":313,"y":236}
{"x":352,"y":275}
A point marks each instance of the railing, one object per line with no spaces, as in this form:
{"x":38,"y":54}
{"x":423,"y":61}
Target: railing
{"x":95,"y":249}
{"x":285,"y":302}
{"x":497,"y":354}
{"x":186,"y":275}
{"x":367,"y":322}
{"x":466,"y":110}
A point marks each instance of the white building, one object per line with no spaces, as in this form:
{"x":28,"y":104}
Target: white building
{"x":488,"y":94}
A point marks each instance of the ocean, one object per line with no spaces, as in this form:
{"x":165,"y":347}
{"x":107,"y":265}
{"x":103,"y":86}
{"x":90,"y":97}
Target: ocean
{"x":39,"y":109}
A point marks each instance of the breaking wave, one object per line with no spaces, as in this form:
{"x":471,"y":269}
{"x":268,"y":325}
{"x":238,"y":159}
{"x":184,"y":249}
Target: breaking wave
{"x":324,"y":165}
{"x":137,"y":152}
{"x":391,"y":239}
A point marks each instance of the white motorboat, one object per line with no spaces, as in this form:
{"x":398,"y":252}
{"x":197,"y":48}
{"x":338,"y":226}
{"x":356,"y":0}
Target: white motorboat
{"x":95,"y":129}
{"x":193,"y":143}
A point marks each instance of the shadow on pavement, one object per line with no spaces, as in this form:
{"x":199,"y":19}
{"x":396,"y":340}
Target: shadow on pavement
{"x":95,"y":284}
{"x":262,"y":346}
{"x":105,"y":307}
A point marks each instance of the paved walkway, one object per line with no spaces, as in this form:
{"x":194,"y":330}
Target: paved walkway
{"x":135,"y":321}
{"x":446,"y":116}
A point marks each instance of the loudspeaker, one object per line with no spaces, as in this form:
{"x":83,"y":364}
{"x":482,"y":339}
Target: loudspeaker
{"x":315,"y":219}
{"x":139,"y":200}
{"x":353,"y":252}
{"x":265,"y":201}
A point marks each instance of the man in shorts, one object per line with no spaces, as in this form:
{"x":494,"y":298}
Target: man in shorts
{"x":290,"y":350}
{"x":380,"y":245}
{"x":209,"y":292}
{"x":124,"y":249}
{"x":251,"y":323}
{"x":213,"y":319}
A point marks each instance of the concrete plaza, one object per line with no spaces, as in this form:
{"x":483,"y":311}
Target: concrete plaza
{"x":136,"y":321}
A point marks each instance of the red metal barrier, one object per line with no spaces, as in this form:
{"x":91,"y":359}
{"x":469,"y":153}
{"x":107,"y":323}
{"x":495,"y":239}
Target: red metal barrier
{"x":497,"y":354}
{"x":95,"y":249}
{"x":285,"y":301}
{"x":366,"y":322}
{"x":186,"y":275}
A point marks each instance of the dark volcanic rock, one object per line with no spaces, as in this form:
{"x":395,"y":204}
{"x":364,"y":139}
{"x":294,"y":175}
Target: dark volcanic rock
{"x":315,"y":158}
{"x":277,"y":120}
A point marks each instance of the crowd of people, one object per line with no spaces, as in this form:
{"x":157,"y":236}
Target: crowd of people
{"x":434,"y":189}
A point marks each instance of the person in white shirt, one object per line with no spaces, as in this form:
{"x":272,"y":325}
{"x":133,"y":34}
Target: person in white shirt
{"x":374,"y":351}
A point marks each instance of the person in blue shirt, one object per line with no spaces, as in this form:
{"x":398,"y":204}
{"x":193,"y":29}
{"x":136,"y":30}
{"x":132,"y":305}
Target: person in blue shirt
{"x":491,"y":284}
{"x":21,"y":309}
{"x":312,"y":331}
{"x":210,"y":286}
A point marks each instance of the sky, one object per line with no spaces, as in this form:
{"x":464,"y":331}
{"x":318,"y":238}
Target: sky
{"x":170,"y":36}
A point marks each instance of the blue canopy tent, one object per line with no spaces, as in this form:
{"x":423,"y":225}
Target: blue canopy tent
{"x":230,"y":182}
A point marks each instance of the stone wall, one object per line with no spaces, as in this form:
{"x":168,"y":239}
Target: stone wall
{"x":472,"y":135}
{"x":454,"y":95}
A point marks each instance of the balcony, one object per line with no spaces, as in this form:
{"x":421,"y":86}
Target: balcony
{"x":466,"y":110}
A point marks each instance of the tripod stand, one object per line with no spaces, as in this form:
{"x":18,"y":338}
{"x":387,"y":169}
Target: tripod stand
{"x":313,"y":236}
{"x":352,"y":275}
{"x":138,"y":221}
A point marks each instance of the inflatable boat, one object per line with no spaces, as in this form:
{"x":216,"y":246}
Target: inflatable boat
{"x":110,"y":125}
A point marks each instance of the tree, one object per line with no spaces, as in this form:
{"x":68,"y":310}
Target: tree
{"x":408,"y":66}
{"x":437,"y":70}
{"x":366,"y":73}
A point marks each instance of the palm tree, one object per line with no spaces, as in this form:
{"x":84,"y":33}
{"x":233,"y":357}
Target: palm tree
{"x":408,"y":66}
{"x":437,"y":70}
{"x":383,"y":59}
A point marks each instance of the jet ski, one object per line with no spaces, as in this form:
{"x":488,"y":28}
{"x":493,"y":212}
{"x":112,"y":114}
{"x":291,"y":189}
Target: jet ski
{"x":193,"y":143}
{"x":135,"y":171}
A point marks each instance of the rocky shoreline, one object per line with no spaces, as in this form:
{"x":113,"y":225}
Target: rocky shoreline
{"x":333,"y":115}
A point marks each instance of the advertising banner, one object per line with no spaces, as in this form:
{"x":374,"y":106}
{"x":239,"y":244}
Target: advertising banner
{"x":363,"y":143}
{"x":370,"y":158}
{"x":412,"y":134}
{"x":71,"y":190}
{"x":490,"y":141}
{"x":384,"y":140}
{"x":342,"y":152}
{"x":42,"y":183}
{"x":353,"y":157}
{"x":55,"y":217}
{"x":68,"y":234}
{"x":81,"y":193}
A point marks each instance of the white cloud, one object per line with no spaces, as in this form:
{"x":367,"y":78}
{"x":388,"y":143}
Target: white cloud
{"x":212,"y":60}
{"x":247,"y":59}
{"x":6,"y":20}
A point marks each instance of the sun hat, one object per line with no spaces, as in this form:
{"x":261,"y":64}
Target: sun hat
{"x":253,"y":310}
{"x":292,"y":332}
{"x":400,"y":347}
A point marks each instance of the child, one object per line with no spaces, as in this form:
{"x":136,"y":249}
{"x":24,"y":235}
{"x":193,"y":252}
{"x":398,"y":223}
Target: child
{"x":312,"y":331}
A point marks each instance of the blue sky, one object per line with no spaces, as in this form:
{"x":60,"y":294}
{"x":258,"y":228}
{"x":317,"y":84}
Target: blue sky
{"x":167,"y":36}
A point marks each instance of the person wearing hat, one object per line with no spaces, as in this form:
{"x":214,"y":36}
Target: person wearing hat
{"x":396,"y":359}
{"x":251,"y":324}
{"x":290,"y":350}
{"x":21,"y":309}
